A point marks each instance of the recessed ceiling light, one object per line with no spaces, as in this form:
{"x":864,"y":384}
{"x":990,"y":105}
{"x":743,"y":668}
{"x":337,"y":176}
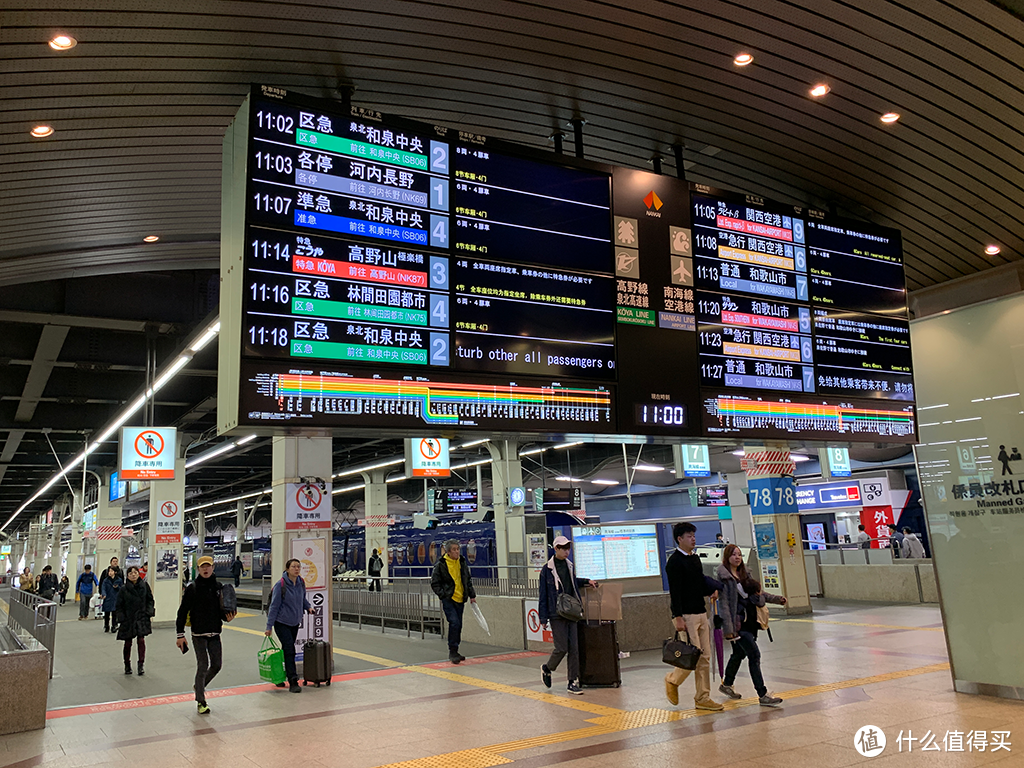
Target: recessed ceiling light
{"x":992,"y":250}
{"x":820,"y":90}
{"x":743,"y":59}
{"x":41,"y":131}
{"x":890,"y":117}
{"x":63,"y":43}
{"x":150,"y":239}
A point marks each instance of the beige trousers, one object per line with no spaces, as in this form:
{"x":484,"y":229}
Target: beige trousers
{"x":699,"y":631}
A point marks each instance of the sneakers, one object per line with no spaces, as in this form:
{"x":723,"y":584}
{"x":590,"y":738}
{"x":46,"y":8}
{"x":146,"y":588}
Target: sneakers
{"x":202,"y":708}
{"x":545,"y":675}
{"x":672,"y":693}
{"x":729,"y":691}
{"x":709,"y":705}
{"x":574,"y":688}
{"x":769,"y":701}
{"x":294,"y":687}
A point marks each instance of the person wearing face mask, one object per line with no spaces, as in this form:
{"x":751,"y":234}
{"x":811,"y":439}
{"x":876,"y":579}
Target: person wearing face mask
{"x":135,"y":608}
{"x":556,"y":577}
{"x":740,"y":598}
{"x":200,"y":605}
{"x":287,"y":604}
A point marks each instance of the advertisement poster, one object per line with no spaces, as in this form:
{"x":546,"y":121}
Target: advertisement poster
{"x":166,"y":564}
{"x":312,"y":554}
{"x":538,"y":549}
{"x":770,"y":580}
{"x":247,"y":565}
{"x":767,"y":547}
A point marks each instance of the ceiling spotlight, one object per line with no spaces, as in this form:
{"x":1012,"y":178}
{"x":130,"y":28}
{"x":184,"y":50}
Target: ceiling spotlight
{"x":890,"y":117}
{"x":743,"y":59}
{"x":41,"y":131}
{"x":150,"y":239}
{"x":819,"y":90}
{"x":63,"y":43}
{"x":992,"y":250}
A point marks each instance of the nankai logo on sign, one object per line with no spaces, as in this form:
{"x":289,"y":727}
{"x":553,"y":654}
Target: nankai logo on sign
{"x":652,"y":201}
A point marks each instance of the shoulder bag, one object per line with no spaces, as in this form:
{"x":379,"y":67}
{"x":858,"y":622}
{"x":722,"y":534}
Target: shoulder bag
{"x":569,"y":607}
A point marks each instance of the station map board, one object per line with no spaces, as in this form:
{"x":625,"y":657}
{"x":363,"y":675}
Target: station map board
{"x":382,"y":273}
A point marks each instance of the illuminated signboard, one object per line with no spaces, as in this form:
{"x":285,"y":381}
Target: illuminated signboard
{"x":381,"y":273}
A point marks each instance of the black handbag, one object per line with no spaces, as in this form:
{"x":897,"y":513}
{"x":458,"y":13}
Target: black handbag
{"x":680,"y":653}
{"x":569,"y":607}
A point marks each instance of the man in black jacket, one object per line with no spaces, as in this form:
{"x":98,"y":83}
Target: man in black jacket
{"x":374,"y":568}
{"x":200,"y":605}
{"x":236,"y":570}
{"x":452,"y":583}
{"x":688,"y":587}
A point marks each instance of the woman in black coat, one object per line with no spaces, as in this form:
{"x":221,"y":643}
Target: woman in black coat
{"x":135,"y":607}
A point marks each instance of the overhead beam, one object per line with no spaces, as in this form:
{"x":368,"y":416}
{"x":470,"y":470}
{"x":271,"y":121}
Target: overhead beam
{"x":80,"y":321}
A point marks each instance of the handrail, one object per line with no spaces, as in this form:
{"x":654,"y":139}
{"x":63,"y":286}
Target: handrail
{"x":32,"y":614}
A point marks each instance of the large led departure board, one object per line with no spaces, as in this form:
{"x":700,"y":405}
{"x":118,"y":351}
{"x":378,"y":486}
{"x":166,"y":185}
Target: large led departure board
{"x":793,"y":303}
{"x":382,"y":273}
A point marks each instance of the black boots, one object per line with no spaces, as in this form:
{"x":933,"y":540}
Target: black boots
{"x":127,"y":667}
{"x":141,"y":670}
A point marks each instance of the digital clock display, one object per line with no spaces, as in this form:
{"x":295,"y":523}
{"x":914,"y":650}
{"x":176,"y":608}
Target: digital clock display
{"x":661,"y":414}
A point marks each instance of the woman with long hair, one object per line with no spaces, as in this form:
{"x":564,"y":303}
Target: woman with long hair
{"x":135,"y":608}
{"x":739,"y":600}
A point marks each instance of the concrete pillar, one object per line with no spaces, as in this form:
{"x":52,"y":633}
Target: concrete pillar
{"x":506,"y":472}
{"x":375,"y":499}
{"x":107,"y":516}
{"x":739,"y":502}
{"x":769,"y":474}
{"x":293,"y":458}
{"x":166,"y":591}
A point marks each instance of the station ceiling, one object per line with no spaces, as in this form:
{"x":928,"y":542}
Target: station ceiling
{"x":139,"y":106}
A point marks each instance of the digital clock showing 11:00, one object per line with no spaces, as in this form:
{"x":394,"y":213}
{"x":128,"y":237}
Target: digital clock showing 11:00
{"x":665,"y":414}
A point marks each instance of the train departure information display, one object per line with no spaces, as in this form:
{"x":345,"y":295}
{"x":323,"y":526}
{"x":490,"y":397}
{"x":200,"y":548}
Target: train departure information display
{"x":385,"y":274}
{"x":791,"y":303}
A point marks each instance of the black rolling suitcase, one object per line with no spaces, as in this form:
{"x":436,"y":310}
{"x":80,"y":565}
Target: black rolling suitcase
{"x":599,"y":655}
{"x":317,"y":662}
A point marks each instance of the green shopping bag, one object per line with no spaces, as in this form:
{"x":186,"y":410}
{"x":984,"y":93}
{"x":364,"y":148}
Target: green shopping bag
{"x":271,"y":658}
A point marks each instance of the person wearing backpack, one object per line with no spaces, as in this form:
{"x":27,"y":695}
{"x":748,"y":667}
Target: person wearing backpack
{"x":284,"y":614}
{"x":373,"y":569}
{"x":739,"y":600}
{"x":558,"y":577}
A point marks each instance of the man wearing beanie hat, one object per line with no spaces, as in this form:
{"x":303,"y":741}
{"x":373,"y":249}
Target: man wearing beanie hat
{"x":200,"y":606}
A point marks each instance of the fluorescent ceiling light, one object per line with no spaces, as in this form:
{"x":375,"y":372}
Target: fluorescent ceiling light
{"x":648,"y":468}
{"x":567,"y":479}
{"x":602,"y":481}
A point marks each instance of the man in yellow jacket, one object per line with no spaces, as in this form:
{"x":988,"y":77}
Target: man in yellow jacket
{"x":452,"y":583}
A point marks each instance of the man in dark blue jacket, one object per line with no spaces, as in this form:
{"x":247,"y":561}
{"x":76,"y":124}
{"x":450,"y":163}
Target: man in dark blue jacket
{"x":84,"y":587}
{"x":557,"y":576}
{"x":287,"y":604}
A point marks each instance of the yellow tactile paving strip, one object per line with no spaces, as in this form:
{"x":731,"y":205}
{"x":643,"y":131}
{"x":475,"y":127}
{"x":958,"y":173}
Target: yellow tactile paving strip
{"x":872,"y":626}
{"x":620,"y":721}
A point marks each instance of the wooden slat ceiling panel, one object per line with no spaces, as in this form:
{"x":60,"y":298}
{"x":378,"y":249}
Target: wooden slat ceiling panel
{"x":156,"y":88}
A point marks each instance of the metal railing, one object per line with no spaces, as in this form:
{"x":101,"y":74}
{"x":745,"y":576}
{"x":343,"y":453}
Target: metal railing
{"x":31,"y":614}
{"x":409,"y":602}
{"x":401,"y":603}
